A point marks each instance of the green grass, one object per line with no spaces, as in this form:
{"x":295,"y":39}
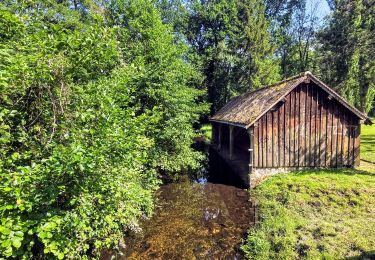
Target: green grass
{"x":368,"y":142}
{"x":315,"y":214}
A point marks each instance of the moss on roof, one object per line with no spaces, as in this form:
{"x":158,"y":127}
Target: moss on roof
{"x":245,"y":109}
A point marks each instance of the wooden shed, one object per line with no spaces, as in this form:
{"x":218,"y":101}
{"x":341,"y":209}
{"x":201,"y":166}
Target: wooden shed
{"x":297,"y":123}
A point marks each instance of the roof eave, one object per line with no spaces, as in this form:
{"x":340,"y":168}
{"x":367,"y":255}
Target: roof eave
{"x":228,"y":123}
{"x":367,"y":121}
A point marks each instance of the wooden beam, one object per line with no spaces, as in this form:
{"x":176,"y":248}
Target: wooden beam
{"x":229,"y":123}
{"x":357,"y":134}
{"x":250,"y":131}
{"x":256,"y":146}
{"x":264,"y":141}
{"x":231,"y":142}
{"x":269,"y":139}
{"x":287,"y":127}
{"x":220,"y":139}
{"x":214,"y":133}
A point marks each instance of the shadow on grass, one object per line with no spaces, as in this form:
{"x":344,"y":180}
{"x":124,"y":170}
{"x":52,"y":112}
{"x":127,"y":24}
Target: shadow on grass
{"x":364,"y":255}
{"x":368,"y":147}
{"x":368,"y":139}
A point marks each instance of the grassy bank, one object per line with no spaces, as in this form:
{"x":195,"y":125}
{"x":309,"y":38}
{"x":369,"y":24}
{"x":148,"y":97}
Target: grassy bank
{"x":319,"y":213}
{"x":315,"y":214}
{"x":368,"y":142}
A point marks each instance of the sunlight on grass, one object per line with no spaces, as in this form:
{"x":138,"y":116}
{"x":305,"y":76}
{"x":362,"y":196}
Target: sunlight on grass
{"x":368,"y":142}
{"x":315,"y":214}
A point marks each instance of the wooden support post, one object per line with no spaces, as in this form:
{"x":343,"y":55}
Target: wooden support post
{"x":251,"y":148}
{"x":357,"y":135}
{"x":219,"y":146}
{"x":230,"y":142}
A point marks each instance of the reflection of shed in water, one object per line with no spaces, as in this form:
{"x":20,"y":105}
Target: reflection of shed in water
{"x":294,"y":124}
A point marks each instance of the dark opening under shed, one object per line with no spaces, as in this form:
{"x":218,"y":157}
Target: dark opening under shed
{"x":296,"y":123}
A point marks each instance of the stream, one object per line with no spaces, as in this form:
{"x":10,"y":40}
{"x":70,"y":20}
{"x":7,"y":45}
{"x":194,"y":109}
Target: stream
{"x":203,"y":215}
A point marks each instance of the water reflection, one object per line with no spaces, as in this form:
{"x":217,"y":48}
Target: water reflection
{"x":195,"y":219}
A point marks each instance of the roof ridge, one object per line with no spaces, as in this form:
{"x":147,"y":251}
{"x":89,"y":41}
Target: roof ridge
{"x":290,"y":78}
{"x":302,"y":74}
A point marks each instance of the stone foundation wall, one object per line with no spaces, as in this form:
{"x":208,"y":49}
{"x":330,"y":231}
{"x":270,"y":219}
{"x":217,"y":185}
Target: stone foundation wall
{"x":259,"y":174}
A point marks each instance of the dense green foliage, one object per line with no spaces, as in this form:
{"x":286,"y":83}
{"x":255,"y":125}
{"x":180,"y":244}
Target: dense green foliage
{"x":347,"y":51}
{"x":241,"y":45}
{"x":314,"y":215}
{"x":230,"y":43}
{"x":94,"y":99}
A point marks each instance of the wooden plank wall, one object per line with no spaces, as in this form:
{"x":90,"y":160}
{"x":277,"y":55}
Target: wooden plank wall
{"x":307,"y":129}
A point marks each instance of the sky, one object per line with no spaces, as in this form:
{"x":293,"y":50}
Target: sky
{"x":319,"y":6}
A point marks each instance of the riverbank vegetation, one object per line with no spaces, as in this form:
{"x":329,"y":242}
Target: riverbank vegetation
{"x":94,"y":101}
{"x":97,"y":98}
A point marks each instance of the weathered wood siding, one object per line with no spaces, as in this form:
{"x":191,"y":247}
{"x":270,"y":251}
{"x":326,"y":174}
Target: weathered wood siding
{"x":307,"y":129}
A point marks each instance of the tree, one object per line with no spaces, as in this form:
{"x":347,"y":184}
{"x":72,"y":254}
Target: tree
{"x":295,"y":36}
{"x":95,"y":100}
{"x":233,"y":46}
{"x":348,"y":52}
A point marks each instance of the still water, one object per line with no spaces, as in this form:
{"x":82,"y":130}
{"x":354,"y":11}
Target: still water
{"x":204,"y":215}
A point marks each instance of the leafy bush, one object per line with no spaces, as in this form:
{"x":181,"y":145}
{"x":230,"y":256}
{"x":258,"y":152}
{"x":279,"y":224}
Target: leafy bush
{"x":94,"y":100}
